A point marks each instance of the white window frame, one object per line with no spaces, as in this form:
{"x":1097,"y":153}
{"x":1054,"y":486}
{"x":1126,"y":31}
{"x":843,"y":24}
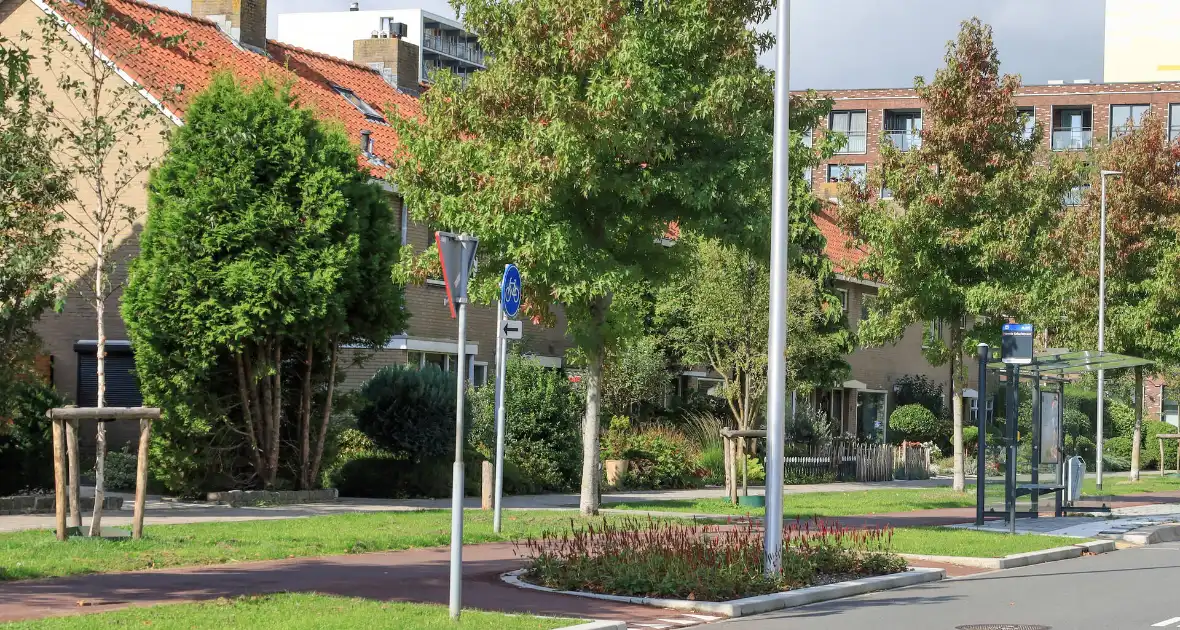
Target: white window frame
{"x":1128,"y":129}
{"x":1032,"y":109}
{"x":848,"y":137}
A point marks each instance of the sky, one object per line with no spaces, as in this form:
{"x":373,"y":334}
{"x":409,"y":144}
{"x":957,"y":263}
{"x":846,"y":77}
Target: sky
{"x":881,"y":43}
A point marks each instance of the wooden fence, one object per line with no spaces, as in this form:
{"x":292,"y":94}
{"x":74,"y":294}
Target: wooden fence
{"x":843,"y":460}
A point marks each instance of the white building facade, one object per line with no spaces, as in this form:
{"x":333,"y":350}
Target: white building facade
{"x":442,"y":42}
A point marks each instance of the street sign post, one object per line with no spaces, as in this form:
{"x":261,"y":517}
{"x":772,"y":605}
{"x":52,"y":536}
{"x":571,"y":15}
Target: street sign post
{"x":1016,"y":344}
{"x":456,"y":253}
{"x":510,"y":291}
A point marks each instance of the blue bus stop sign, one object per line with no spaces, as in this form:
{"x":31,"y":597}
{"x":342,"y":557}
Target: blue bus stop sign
{"x":510,"y":290}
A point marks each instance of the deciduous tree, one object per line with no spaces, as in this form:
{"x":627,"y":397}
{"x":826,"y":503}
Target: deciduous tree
{"x":971,"y":210}
{"x":597,"y":125}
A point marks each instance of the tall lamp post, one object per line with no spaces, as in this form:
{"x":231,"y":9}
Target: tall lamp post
{"x":776,"y":395}
{"x":1101,"y":321}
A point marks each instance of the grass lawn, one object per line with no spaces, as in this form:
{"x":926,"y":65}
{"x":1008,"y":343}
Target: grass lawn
{"x":1149,"y":481}
{"x":294,"y":612}
{"x":35,"y":554}
{"x":822,"y":503}
{"x":946,"y":541}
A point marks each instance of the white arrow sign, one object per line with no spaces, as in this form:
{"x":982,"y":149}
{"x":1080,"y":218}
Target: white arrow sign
{"x":513,"y":329}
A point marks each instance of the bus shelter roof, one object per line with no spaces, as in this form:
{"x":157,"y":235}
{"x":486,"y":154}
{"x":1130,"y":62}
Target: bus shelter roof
{"x":1074,"y":363}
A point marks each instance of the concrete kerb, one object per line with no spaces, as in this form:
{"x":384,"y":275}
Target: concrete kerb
{"x":762,"y":603}
{"x":1153,"y":534}
{"x":1020,"y":559}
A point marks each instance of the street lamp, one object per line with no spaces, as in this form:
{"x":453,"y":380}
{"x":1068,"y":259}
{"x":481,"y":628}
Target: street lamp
{"x":1101,"y":320}
{"x":776,"y":372}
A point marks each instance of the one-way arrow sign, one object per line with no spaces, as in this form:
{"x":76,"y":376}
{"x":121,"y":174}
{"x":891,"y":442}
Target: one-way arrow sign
{"x":513,"y":329}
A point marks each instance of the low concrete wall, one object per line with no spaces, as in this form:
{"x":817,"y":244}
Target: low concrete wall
{"x":235,"y":498}
{"x":44,"y":504}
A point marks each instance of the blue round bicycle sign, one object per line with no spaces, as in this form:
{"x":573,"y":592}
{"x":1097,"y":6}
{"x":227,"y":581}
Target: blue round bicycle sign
{"x":510,"y":290}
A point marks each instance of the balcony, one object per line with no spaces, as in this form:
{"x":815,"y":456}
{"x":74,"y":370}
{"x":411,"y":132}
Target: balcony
{"x":904,"y":139}
{"x":1072,"y":138}
{"x":454,"y":46}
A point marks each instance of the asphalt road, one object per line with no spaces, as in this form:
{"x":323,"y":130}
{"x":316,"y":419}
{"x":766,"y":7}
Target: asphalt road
{"x":1124,"y":590}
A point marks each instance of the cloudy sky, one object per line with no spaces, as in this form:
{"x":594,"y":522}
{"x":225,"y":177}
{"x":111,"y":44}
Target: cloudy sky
{"x":883,"y":43}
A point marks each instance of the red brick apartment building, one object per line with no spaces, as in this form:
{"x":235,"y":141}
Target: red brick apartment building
{"x":1073,"y":116}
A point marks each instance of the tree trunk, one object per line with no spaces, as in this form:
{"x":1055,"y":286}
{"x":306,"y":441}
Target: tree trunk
{"x":318,"y":454}
{"x":276,"y":410}
{"x":960,"y":480}
{"x":245,"y":389}
{"x":590,"y":426}
{"x":1137,"y":435}
{"x":305,"y":421}
{"x":100,"y":438}
{"x":259,"y":409}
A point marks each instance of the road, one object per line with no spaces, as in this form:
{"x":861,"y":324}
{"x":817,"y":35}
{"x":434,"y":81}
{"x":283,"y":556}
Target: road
{"x":1125,"y":590}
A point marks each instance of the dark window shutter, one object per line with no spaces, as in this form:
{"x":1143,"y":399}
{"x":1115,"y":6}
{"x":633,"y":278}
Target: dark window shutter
{"x":122,"y":388}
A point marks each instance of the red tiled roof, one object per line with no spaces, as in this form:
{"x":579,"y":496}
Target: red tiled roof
{"x":174,"y":74}
{"x":839,"y":244}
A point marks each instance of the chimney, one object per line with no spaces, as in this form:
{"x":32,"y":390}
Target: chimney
{"x":243,"y":20}
{"x":355,"y":6}
{"x":394,"y":58}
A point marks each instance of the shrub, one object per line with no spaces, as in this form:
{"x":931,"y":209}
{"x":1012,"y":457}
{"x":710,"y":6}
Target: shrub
{"x":388,"y":477}
{"x":662,"y":458}
{"x":543,"y":416}
{"x":616,"y":442}
{"x":1116,"y":453}
{"x":1075,"y":422}
{"x":914,"y":423}
{"x":1122,"y":418}
{"x":916,"y":389}
{"x":809,"y":426}
{"x":410,"y":412}
{"x":970,"y":439}
{"x":703,"y":562}
{"x":712,"y":462}
{"x":26,"y":442}
{"x":119,"y":473}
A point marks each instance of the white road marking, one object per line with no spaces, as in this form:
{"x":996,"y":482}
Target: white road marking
{"x":702,"y":617}
{"x":680,"y":622}
{"x":1165,"y":623}
{"x":654,"y":626}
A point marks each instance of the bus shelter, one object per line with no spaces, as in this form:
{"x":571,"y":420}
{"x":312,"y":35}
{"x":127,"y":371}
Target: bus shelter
{"x":1047,"y":372}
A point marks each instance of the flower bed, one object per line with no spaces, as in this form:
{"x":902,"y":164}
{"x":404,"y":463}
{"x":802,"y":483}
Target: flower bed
{"x":703,"y":562}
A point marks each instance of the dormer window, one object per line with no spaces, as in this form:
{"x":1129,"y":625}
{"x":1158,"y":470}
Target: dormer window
{"x":359,"y":103}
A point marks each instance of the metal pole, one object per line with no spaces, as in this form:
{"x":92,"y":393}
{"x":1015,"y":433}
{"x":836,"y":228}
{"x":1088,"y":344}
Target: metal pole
{"x":1012,"y":411}
{"x":779,"y":233}
{"x":981,"y":422}
{"x":1101,"y":324}
{"x":1034,"y":499}
{"x":457,"y":477}
{"x":501,"y":357}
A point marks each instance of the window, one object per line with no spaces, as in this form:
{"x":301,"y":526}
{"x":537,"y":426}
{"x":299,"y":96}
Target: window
{"x":807,"y":142}
{"x":843,"y":295}
{"x":1072,"y":128}
{"x":1173,"y":122}
{"x":847,"y":172}
{"x":479,"y":374}
{"x":1124,"y":118}
{"x":1169,"y":407}
{"x":359,"y":103}
{"x":932,"y":333}
{"x":1075,"y":196}
{"x":853,"y":126}
{"x":903,"y":129}
{"x":122,"y":389}
{"x":448,"y":362}
{"x":868,"y":303}
{"x":885,"y":192}
{"x":1029,"y":116}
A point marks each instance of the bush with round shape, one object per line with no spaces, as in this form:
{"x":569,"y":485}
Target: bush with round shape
{"x":970,"y":439}
{"x":662,"y":458}
{"x":1116,"y":453}
{"x":914,"y":423}
{"x":543,"y":413}
{"x":1122,"y":419}
{"x":410,"y":413}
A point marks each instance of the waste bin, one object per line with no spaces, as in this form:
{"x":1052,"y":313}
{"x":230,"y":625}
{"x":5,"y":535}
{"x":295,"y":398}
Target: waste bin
{"x":1075,"y":472}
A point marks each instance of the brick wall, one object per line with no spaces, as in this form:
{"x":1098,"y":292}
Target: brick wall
{"x":395,"y":53}
{"x":247,"y":18}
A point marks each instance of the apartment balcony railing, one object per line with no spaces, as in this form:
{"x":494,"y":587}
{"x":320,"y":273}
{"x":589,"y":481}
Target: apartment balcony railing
{"x":904,"y":139}
{"x":454,"y":47}
{"x":1072,"y":138}
{"x":854,"y":142}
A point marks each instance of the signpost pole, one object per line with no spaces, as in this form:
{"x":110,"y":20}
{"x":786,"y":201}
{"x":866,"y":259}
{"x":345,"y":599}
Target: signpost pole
{"x":508,"y":306}
{"x":981,"y":421}
{"x":456,"y":600}
{"x":501,"y":357}
{"x":1037,"y":430}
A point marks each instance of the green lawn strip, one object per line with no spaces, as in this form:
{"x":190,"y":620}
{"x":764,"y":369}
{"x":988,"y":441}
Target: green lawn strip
{"x":882,"y":501}
{"x":1149,"y":482}
{"x":36,"y":554}
{"x":294,"y":611}
{"x":947,"y":541}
